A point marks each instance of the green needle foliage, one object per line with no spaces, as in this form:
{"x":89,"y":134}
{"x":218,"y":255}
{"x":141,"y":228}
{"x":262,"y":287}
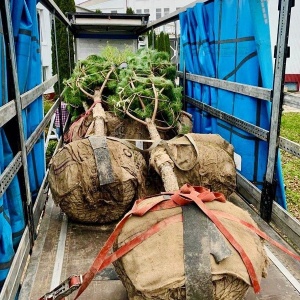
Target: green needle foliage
{"x":87,"y":75}
{"x":161,"y":41}
{"x":91,"y":73}
{"x":146,"y":83}
{"x":143,"y":89}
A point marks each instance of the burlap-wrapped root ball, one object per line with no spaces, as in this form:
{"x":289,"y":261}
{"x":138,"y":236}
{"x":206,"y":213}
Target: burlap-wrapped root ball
{"x":96,"y":184}
{"x":199,"y":159}
{"x":123,"y":128}
{"x":156,"y":268}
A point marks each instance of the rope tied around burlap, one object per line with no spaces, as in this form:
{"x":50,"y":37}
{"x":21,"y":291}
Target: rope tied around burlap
{"x":185,"y":196}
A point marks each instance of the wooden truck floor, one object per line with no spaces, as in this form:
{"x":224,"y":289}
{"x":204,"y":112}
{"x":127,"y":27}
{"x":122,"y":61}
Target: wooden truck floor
{"x":64,"y":248}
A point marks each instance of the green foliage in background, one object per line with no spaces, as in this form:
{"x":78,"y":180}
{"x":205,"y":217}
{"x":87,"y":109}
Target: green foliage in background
{"x":129,"y":11}
{"x":65,"y":58}
{"x":161,"y":42}
{"x":290,"y":163}
{"x":91,"y":73}
{"x":47,"y":105}
{"x":50,"y":151}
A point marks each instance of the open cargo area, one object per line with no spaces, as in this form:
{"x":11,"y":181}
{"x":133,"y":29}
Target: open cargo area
{"x":70,"y":248}
{"x":227,"y":86}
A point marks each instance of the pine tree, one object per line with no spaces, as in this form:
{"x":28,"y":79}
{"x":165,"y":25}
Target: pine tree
{"x":161,"y":42}
{"x":167,"y":44}
{"x":155,"y":41}
{"x":129,"y":11}
{"x":150,"y":35}
{"x":62,"y":46}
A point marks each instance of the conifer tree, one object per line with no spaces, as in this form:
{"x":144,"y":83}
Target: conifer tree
{"x":129,"y":11}
{"x":65,"y":68}
{"x":150,"y":39}
{"x":161,"y":46}
{"x":167,"y":44}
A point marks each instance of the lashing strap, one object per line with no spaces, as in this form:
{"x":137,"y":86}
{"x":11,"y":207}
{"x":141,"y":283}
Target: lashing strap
{"x":186,"y":195}
{"x":192,"y":195}
{"x":102,"y":159}
{"x":136,"y":211}
{"x":196,"y":254}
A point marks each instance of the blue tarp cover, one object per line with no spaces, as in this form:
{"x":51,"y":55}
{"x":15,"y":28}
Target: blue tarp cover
{"x":28,"y":60}
{"x":29,"y":69}
{"x":230,"y":40}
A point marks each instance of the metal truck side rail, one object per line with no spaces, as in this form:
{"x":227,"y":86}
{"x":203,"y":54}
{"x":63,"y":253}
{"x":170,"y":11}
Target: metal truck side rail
{"x":243,"y":89}
{"x":12,"y":112}
{"x":263,"y":134}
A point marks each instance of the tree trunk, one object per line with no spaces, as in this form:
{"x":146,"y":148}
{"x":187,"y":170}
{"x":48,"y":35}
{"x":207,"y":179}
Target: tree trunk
{"x":98,"y":115}
{"x":164,"y":162}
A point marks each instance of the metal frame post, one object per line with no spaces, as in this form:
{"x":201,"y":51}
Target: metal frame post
{"x":281,"y":51}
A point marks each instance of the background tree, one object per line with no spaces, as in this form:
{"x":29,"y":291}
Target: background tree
{"x":155,"y":41}
{"x":167,"y":44}
{"x":129,"y":11}
{"x":150,"y":35}
{"x":161,"y":45}
{"x":161,"y":42}
{"x":65,"y":58}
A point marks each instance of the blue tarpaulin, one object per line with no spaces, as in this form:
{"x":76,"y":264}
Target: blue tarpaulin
{"x":11,"y":212}
{"x":6,"y":242}
{"x":28,"y":60}
{"x":29,"y":70}
{"x":230,"y":40}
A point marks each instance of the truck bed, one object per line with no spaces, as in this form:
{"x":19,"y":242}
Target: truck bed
{"x":64,"y":248}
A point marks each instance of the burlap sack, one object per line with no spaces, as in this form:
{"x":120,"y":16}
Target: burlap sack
{"x":155,"y":268}
{"x":122,"y":128}
{"x":78,"y":128}
{"x":75,"y":185}
{"x":199,"y":159}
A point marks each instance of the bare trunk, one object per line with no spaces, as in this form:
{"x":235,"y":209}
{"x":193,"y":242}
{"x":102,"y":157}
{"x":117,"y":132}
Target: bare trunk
{"x":166,"y":168}
{"x":85,"y":106}
{"x":153,"y":132}
{"x":99,"y":115}
{"x":168,"y":177}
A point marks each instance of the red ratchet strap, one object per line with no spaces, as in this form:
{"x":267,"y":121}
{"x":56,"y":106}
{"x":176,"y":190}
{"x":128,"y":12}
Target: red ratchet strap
{"x":258,"y":232}
{"x":184,"y":196}
{"x":98,"y":264}
{"x":190,"y":194}
{"x":102,"y":260}
{"x":64,"y":289}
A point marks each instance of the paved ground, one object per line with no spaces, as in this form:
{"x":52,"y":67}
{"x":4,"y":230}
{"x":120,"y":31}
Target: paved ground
{"x":290,"y":109}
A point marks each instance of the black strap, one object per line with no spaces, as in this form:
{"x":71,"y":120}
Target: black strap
{"x":196,"y":243}
{"x":102,"y":158}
